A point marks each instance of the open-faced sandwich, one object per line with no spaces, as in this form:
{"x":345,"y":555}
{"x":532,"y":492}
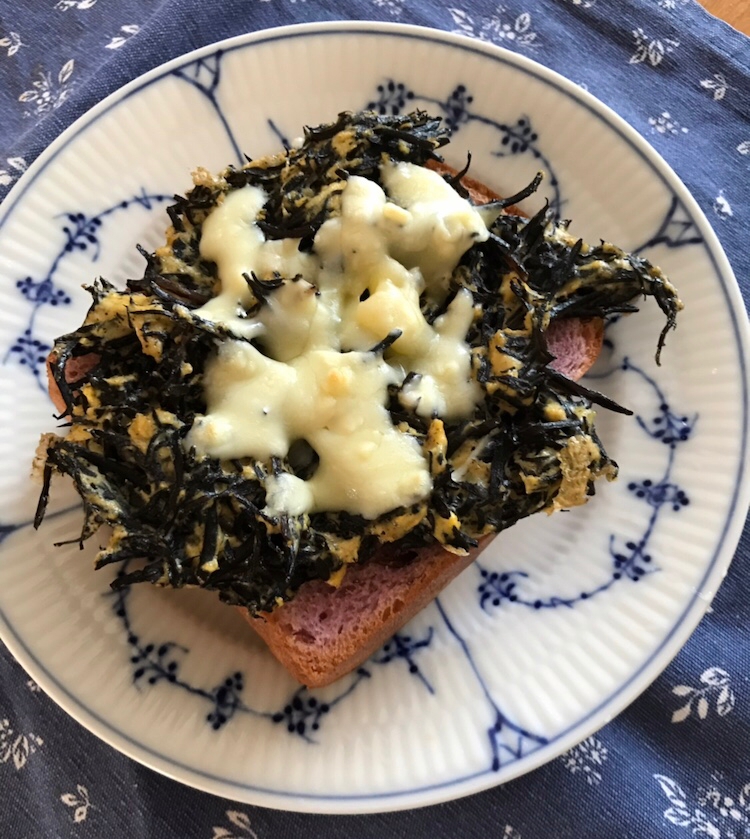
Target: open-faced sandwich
{"x":347,"y":369}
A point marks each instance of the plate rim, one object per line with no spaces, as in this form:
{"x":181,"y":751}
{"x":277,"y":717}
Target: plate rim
{"x":669,"y":645}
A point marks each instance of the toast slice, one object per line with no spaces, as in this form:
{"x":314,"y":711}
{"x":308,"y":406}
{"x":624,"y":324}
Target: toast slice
{"x":323,"y":633}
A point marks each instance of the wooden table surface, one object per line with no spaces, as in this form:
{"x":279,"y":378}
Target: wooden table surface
{"x":736,"y":12}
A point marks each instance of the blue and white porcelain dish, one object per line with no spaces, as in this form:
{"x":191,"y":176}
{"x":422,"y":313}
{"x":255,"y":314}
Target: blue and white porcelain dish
{"x":560,"y":624}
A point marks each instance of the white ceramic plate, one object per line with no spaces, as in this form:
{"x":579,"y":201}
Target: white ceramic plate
{"x":561,"y":623}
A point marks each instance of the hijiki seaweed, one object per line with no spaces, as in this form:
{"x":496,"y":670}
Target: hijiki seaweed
{"x":530,"y":444}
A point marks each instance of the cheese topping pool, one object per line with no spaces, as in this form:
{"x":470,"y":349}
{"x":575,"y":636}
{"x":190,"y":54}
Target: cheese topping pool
{"x":317,"y":377}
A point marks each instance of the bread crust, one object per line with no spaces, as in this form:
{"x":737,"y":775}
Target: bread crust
{"x":479,"y":193}
{"x":75,"y":369}
{"x":318,"y":658}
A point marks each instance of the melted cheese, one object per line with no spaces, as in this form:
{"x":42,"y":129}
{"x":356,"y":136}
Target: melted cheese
{"x":310,"y":373}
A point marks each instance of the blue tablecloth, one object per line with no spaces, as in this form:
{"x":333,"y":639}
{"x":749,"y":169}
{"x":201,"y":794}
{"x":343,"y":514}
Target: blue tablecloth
{"x":676,"y":763}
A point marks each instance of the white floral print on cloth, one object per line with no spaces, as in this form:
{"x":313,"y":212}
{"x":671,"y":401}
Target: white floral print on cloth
{"x":15,"y":167}
{"x":126,"y":31}
{"x":240,"y":822}
{"x":79,"y":803}
{"x":722,"y":207}
{"x":714,"y":691}
{"x":671,"y":5}
{"x":498,"y":27}
{"x":11,"y":43}
{"x":393,"y":7}
{"x":666,"y":124}
{"x":48,"y":93}
{"x":651,"y":50}
{"x":586,"y":759}
{"x":67,"y":5}
{"x":714,"y":811}
{"x":718,"y":85}
{"x":16,"y":748}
